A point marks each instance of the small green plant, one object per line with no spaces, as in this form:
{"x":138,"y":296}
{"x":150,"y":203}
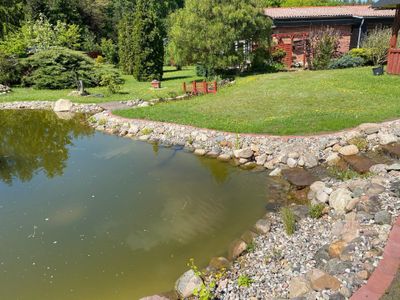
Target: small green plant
{"x":112,"y":82}
{"x":316,"y":210}
{"x":237,"y":142}
{"x":344,"y":175}
{"x":146,"y":131}
{"x":102,"y":122}
{"x":190,"y":140}
{"x":244,"y":281}
{"x":361,"y":143}
{"x":251,"y":247}
{"x":288,"y":219}
{"x":206,"y":291}
{"x":99,"y":60}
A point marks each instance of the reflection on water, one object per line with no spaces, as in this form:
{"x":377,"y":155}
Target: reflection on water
{"x":33,"y":141}
{"x":121,"y":219}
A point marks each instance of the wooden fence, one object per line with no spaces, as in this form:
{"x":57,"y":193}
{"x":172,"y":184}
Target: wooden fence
{"x":200,"y":88}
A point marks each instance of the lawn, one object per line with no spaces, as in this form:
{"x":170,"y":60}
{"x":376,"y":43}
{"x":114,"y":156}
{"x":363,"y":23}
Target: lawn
{"x":303,"y":102}
{"x":131,"y":90}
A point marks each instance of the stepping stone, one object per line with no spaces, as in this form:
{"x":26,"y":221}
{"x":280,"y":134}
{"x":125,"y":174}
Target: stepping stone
{"x":358,"y":163}
{"x":392,"y":150}
{"x":298,"y":177}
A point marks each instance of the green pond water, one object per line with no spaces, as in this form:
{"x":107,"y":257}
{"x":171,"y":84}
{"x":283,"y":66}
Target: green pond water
{"x":85,"y":215}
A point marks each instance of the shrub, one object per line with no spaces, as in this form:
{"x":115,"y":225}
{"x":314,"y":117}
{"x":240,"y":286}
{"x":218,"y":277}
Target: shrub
{"x":112,"y":81}
{"x":278,"y":55}
{"x":377,"y":43}
{"x":322,"y":47}
{"x":259,"y":59}
{"x":346,"y":61}
{"x":361,"y":52}
{"x":316,"y":210}
{"x":62,"y":68}
{"x":109,"y":50}
{"x":10,"y":70}
{"x":288,"y":219}
{"x":361,"y":143}
{"x":99,"y":60}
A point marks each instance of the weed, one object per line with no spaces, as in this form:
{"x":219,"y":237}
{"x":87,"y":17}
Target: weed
{"x":102,"y":122}
{"x":237,"y":142}
{"x":244,"y":281}
{"x":361,"y":143}
{"x":288,"y":219}
{"x":316,"y":210}
{"x":251,"y":247}
{"x":347,"y":174}
{"x":146,"y":131}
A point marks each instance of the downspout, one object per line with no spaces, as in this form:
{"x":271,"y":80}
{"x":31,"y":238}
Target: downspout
{"x":360,"y":30}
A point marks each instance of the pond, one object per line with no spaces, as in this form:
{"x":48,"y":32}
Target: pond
{"x":84,"y":215}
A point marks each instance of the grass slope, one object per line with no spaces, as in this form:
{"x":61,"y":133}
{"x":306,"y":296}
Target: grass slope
{"x":301,"y":102}
{"x":131,"y":90}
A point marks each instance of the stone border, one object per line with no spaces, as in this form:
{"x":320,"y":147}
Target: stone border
{"x":267,"y":151}
{"x":383,"y":276}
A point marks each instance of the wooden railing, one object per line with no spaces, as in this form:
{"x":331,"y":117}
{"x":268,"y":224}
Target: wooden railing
{"x":197,"y":88}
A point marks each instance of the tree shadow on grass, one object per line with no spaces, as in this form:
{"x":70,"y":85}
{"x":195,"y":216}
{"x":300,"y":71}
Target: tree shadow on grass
{"x":175,"y":78}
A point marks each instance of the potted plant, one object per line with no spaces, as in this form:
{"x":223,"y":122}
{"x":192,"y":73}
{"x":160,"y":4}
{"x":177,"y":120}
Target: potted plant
{"x":377,"y":44}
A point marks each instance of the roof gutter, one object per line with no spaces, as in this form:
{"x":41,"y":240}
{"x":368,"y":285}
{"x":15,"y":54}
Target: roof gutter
{"x":360,"y":29}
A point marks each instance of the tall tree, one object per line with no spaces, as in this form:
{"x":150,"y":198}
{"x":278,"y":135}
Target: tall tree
{"x":141,"y":41}
{"x":11,"y":13}
{"x":216,"y":33}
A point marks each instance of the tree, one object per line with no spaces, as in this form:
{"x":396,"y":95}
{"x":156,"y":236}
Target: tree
{"x":217,"y":34}
{"x":141,"y":41}
{"x":11,"y":13}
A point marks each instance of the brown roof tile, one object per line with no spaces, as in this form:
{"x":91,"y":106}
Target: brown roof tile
{"x":326,"y":11}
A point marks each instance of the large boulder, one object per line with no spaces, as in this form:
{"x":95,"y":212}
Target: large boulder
{"x":4,"y":89}
{"x":63,"y":105}
{"x":187,"y":284}
{"x":299,"y":177}
{"x":369,"y":128}
{"x":262,"y":226}
{"x":386,"y":138}
{"x":339,"y":200}
{"x":236,"y":249}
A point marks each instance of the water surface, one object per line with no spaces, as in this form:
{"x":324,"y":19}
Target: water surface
{"x":85,"y":215}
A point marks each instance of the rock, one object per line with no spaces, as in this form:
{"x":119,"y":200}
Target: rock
{"x":224,"y":157}
{"x":317,"y":187}
{"x":236,"y":249}
{"x":243,"y":153}
{"x":393,"y":167}
{"x":294,"y":155}
{"x":155,"y":297}
{"x":4,"y":89}
{"x":392,"y":150}
{"x":322,"y":197}
{"x":299,"y":177}
{"x":219,"y":263}
{"x":385,"y":139}
{"x":363,"y":275}
{"x":291,"y":162}
{"x":300,"y":211}
{"x":335,"y":266}
{"x":62,"y":105}
{"x":200,"y":152}
{"x":275,"y":173}
{"x":369,"y":128}
{"x":349,"y":150}
{"x":187,"y":283}
{"x":378,"y":169}
{"x":262,"y":226}
{"x":332,"y":159}
{"x":337,"y":296}
{"x":336,"y":248}
{"x":374,"y":189}
{"x":383,"y":217}
{"x":352,"y":204}
{"x":298,"y":287}
{"x":320,"y":280}
{"x":248,"y":237}
{"x":261,"y":160}
{"x":339,"y":200}
{"x":395,"y":188}
{"x":322,"y":255}
{"x":358,"y":163}
{"x":310,"y":161}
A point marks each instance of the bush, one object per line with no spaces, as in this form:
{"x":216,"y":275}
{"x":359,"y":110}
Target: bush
{"x":109,"y":50}
{"x":278,"y":55}
{"x":112,"y":81}
{"x":10,"y":70}
{"x":361,"y":52}
{"x":260,"y":59}
{"x":377,"y":44}
{"x":322,"y":47}
{"x":99,"y":60}
{"x":288,"y":219}
{"x":346,"y":61}
{"x":63,"y":68}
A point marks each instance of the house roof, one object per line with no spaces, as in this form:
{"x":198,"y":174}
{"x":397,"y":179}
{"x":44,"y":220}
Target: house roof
{"x":313,"y":12}
{"x":385,"y":4}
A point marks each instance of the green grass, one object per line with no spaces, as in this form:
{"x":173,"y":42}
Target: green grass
{"x":131,"y":90}
{"x":303,"y":102}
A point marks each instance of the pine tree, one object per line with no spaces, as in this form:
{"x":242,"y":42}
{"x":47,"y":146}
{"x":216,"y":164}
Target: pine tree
{"x":147,"y":41}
